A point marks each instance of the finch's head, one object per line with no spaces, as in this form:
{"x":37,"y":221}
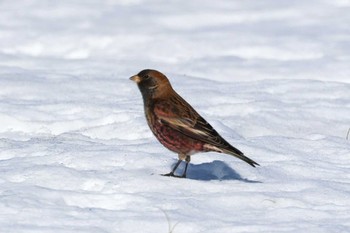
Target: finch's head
{"x":152,"y":83}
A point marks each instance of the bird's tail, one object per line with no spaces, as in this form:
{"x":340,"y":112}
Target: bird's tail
{"x":234,"y":152}
{"x":240,"y":155}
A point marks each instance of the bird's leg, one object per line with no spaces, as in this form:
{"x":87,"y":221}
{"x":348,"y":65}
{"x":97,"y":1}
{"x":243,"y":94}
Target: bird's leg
{"x":188,"y":159}
{"x":174,"y":169}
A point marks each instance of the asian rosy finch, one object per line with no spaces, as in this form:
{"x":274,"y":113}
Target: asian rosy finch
{"x":176,"y":124}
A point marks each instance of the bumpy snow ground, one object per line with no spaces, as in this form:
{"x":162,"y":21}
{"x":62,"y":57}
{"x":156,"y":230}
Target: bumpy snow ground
{"x":76,"y":155}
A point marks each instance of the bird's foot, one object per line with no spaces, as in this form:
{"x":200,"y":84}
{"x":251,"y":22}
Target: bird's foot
{"x":168,"y":174}
{"x":173,"y":175}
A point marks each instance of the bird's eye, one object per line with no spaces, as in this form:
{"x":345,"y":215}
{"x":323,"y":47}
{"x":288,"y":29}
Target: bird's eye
{"x":146,"y":77}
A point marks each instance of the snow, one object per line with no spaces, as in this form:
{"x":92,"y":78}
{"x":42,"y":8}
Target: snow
{"x":272,"y":77}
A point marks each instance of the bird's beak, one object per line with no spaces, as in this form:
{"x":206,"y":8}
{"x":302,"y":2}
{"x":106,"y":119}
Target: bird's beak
{"x":136,"y":78}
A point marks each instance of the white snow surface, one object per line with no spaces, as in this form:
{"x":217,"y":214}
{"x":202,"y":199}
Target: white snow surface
{"x":76,"y":154}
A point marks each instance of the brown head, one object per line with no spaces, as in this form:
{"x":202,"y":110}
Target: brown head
{"x":152,"y":84}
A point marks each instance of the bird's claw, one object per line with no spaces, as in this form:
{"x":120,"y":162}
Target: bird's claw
{"x":173,"y":175}
{"x":168,"y":174}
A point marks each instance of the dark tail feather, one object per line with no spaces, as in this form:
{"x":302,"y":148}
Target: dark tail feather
{"x":237,"y":153}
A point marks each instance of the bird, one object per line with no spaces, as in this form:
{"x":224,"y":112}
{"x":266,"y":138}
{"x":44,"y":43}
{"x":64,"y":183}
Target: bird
{"x":176,"y":124}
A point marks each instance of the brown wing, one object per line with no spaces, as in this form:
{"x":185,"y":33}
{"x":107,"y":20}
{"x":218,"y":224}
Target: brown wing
{"x":179,"y":115}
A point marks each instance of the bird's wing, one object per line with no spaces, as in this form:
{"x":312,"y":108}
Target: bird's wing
{"x":180,"y":116}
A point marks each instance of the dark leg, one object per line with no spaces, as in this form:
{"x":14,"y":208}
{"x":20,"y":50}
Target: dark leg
{"x":174,"y":169}
{"x":188,"y":159}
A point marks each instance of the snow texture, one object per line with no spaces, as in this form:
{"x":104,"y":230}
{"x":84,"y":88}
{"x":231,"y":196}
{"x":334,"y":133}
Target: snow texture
{"x":273,"y":77}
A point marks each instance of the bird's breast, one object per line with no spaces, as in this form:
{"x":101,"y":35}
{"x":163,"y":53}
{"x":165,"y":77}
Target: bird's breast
{"x":173,"y":139}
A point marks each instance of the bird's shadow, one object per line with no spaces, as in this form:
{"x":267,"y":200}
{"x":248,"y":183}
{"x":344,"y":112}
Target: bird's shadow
{"x":216,"y":170}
